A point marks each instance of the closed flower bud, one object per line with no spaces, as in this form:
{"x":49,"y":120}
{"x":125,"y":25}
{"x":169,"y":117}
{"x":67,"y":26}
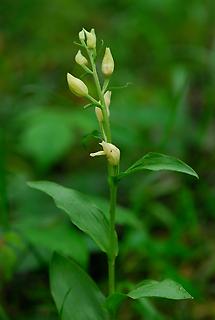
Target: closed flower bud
{"x":91,"y":39}
{"x":80,"y":59}
{"x":107,"y":98}
{"x":110,"y":151}
{"x":81,"y":35}
{"x":99,"y":114}
{"x":77,"y":86}
{"x":107,"y":63}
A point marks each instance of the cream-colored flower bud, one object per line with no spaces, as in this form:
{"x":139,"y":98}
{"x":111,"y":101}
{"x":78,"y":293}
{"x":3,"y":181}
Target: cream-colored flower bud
{"x":107,"y":98}
{"x":80,"y":59}
{"x":81,"y":35}
{"x":91,"y":39}
{"x":77,"y":86}
{"x":110,"y":151}
{"x":107,"y":63}
{"x":99,"y":114}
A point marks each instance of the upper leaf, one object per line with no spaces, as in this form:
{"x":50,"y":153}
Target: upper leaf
{"x":75,"y":294}
{"x":85,"y":215}
{"x":164,"y":289}
{"x":157,"y":161}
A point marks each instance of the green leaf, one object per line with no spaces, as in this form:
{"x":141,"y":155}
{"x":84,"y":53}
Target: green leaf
{"x":40,"y":130}
{"x":164,"y":289}
{"x":83,"y":213}
{"x":46,"y":237}
{"x":75,"y":294}
{"x":150,"y":288}
{"x":156,"y":162}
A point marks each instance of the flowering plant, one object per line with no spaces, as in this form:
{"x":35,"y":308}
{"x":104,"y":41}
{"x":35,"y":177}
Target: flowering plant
{"x":76,"y":295}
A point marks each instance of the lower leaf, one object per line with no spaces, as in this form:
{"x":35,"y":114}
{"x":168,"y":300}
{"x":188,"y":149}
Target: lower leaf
{"x":167,"y":288}
{"x":75,"y":294}
{"x":163,"y":289}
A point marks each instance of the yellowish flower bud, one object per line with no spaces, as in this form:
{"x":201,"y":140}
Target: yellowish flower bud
{"x":110,"y":151}
{"x":107,"y":63}
{"x":91,"y":39}
{"x":80,"y":59}
{"x":81,"y":35}
{"x":99,"y":114}
{"x":77,"y":86}
{"x":107,"y":98}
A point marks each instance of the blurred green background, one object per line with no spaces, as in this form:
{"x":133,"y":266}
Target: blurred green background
{"x":164,"y":50}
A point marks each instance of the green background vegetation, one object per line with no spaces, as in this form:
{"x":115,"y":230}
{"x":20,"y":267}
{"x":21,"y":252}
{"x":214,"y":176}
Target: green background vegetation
{"x":165,"y":51}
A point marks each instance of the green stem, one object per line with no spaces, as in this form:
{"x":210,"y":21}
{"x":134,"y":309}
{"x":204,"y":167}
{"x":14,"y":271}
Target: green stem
{"x":112,"y":171}
{"x":113,"y":244}
{"x":101,"y":98}
{"x":87,"y":69}
{"x":93,"y":100}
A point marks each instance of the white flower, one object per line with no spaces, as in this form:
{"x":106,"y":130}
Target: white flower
{"x":80,"y":59}
{"x":81,"y":35}
{"x":77,"y":86}
{"x":110,"y":151}
{"x":91,"y":38}
{"x":107,"y":63}
{"x":107,"y":98}
{"x":99,"y":114}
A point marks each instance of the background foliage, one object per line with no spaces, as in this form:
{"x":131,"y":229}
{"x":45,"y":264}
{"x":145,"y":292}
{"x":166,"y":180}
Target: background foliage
{"x":165,"y":51}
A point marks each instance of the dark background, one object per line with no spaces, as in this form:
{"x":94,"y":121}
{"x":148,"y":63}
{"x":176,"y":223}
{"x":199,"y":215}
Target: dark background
{"x":164,"y":52}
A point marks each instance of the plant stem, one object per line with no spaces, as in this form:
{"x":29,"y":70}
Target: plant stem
{"x":106,"y":121}
{"x":113,"y":244}
{"x":112,"y":171}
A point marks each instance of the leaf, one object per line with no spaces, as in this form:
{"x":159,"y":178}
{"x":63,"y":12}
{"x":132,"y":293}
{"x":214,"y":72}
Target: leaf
{"x":156,"y":162}
{"x":75,"y":294}
{"x":85,"y":215}
{"x":150,"y":288}
{"x":42,"y":129}
{"x":164,"y":289}
{"x":46,"y":236}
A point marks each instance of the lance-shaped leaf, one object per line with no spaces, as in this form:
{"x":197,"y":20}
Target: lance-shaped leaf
{"x":75,"y":294}
{"x":156,"y":162}
{"x":163,"y":289}
{"x":167,"y":288}
{"x":82,"y":212}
